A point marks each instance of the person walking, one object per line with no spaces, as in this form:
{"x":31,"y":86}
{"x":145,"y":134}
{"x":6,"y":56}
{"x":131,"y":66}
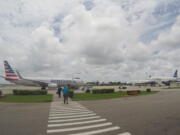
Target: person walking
{"x":65,"y":94}
{"x":59,"y":91}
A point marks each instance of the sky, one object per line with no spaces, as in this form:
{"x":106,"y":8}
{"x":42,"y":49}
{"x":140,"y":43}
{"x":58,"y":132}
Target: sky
{"x":104,"y":40}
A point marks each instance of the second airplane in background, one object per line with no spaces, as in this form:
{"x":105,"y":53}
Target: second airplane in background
{"x":160,"y":80}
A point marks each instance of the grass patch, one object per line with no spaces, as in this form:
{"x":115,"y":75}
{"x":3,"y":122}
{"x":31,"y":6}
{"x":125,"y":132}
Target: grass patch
{"x":26,"y":98}
{"x":89,"y":96}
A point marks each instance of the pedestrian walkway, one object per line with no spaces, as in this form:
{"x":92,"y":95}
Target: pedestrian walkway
{"x":75,"y":119}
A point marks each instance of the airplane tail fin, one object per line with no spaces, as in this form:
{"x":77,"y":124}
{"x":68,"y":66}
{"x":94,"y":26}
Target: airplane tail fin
{"x":10,"y":74}
{"x":175,"y":74}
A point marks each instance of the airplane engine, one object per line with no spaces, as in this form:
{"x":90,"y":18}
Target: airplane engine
{"x":52,"y":85}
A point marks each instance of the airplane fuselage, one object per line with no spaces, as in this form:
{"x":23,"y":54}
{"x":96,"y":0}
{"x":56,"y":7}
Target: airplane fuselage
{"x":51,"y":82}
{"x":14,"y":76}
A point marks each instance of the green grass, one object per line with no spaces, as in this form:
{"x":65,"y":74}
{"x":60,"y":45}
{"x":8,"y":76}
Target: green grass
{"x":26,"y":98}
{"x":89,"y":96}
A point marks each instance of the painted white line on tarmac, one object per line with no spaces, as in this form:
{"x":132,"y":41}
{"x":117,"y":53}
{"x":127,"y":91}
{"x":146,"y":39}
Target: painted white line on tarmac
{"x":65,"y":114}
{"x":51,"y":111}
{"x":65,"y":105}
{"x":75,"y":108}
{"x":58,"y":107}
{"x":61,"y":102}
{"x":68,"y":109}
{"x":98,"y":131}
{"x":70,"y":106}
{"x":125,"y":133}
{"x":85,"y":118}
{"x":71,"y":111}
{"x":78,"y":128}
{"x":73,"y":116}
{"x":76,"y":123}
{"x":68,"y":112}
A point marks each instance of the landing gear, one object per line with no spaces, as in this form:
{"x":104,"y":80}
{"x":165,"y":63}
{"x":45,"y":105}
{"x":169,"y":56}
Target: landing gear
{"x":43,"y":88}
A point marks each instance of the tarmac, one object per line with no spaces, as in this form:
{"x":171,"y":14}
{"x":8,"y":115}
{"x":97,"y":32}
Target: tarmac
{"x":156,"y":114}
{"x":23,"y":118}
{"x":76,"y":119}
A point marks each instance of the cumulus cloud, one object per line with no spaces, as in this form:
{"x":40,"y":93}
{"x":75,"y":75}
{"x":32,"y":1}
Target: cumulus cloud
{"x":104,"y":40}
{"x":168,"y":40}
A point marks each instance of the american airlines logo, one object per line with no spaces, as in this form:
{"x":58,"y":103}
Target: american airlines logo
{"x":10,"y":74}
{"x":8,"y":69}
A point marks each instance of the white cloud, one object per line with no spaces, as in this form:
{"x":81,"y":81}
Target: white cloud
{"x":103,"y":41}
{"x":168,"y":40}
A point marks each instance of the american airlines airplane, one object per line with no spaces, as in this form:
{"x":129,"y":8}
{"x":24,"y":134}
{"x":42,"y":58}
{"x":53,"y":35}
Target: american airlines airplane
{"x":14,"y":77}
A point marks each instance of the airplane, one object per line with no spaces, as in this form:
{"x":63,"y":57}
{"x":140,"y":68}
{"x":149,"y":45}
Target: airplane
{"x":173,"y":78}
{"x":160,"y":80}
{"x":166,"y":80}
{"x":14,"y":76}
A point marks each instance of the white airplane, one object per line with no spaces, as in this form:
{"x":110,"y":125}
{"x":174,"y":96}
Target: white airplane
{"x":160,"y":80}
{"x":166,"y":80}
{"x":15,"y":77}
{"x":173,"y":78}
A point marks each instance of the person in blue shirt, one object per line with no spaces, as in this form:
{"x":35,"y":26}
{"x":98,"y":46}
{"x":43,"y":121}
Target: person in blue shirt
{"x":65,"y":94}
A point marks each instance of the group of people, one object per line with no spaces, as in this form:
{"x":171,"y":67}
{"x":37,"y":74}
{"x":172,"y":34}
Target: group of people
{"x":65,"y":92}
